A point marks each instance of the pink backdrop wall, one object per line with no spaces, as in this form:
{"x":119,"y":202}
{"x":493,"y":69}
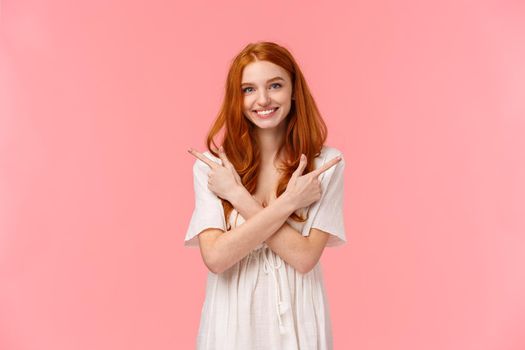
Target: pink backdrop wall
{"x":99,"y":101}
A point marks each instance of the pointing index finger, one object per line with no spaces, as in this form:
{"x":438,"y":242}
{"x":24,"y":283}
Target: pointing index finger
{"x":326,"y":166}
{"x":202,"y":157}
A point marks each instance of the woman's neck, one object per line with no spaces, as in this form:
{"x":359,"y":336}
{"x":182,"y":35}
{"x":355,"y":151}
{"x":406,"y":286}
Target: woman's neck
{"x":269,"y":142}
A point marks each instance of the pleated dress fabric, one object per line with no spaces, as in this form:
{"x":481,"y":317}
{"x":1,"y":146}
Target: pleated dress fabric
{"x":261,"y":302}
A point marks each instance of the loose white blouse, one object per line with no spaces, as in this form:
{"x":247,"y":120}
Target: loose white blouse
{"x":262,"y":302}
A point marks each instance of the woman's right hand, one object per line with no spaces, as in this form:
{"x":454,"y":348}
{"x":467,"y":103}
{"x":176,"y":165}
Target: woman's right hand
{"x":303,"y":190}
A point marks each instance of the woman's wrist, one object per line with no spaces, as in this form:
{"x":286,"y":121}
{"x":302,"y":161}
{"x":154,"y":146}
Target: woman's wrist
{"x":286,"y":202}
{"x":238,"y":193}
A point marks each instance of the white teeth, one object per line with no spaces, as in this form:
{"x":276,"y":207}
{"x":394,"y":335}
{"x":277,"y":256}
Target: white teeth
{"x":266,"y":112}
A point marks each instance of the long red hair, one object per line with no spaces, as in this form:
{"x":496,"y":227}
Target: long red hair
{"x":305,"y":133}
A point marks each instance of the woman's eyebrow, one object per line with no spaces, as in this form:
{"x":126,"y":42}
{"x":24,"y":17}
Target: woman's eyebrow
{"x":274,"y":78}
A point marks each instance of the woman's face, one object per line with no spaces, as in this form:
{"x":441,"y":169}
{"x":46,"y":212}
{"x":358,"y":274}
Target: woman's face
{"x":266,"y":86}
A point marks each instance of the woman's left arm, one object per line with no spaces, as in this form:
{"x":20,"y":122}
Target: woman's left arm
{"x":301,"y":252}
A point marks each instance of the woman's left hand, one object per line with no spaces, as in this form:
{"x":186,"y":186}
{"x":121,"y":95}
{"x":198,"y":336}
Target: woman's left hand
{"x":223,"y":180}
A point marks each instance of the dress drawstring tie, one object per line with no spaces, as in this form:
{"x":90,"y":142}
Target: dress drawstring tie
{"x":271,"y":265}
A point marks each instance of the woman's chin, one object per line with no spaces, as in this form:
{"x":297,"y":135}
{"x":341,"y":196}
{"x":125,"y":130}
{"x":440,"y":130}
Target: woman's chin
{"x":269,"y":124}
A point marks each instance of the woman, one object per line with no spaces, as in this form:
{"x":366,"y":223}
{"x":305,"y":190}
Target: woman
{"x":281,"y":190}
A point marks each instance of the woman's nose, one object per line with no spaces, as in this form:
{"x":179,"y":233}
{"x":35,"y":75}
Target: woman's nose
{"x":263,"y":98}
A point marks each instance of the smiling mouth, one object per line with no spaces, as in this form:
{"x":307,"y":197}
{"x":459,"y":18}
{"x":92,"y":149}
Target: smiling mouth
{"x":266,"y":112}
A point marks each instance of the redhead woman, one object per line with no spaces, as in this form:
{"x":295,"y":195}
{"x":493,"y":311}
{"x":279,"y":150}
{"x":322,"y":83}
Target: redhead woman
{"x":268,"y":200}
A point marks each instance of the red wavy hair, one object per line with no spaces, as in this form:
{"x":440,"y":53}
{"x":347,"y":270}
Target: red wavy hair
{"x":306,"y":131}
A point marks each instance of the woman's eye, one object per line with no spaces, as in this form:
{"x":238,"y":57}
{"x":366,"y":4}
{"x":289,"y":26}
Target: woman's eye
{"x":246,"y":88}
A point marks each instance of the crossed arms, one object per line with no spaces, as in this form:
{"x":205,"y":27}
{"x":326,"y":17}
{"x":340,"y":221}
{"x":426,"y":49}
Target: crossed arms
{"x":221,"y":250}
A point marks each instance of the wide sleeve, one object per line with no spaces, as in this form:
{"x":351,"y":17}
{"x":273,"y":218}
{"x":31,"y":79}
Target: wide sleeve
{"x":328,"y":212}
{"x":208,"y":211}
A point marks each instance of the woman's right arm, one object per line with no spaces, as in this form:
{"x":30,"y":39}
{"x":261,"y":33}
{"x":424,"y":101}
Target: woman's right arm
{"x":221,"y":250}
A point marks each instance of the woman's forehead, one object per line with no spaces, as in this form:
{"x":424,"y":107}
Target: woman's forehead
{"x":262,"y":72}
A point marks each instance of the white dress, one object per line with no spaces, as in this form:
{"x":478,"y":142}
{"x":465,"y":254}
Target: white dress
{"x":262,"y":302}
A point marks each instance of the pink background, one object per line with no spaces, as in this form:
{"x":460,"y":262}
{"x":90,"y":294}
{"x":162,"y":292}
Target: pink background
{"x":99,"y":101}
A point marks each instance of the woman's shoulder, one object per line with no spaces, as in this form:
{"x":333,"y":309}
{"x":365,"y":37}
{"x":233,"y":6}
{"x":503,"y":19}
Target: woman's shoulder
{"x":328,"y":152}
